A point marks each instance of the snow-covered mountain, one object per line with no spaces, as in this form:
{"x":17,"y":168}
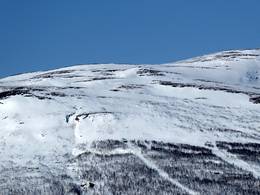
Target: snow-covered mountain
{"x":190,"y":127}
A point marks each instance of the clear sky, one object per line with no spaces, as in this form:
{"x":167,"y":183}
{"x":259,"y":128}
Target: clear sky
{"x":47,"y":34}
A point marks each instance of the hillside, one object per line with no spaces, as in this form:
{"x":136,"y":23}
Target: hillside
{"x":189,"y":127}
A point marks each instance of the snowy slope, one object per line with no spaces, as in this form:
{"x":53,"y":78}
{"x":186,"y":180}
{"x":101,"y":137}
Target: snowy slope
{"x":187,"y":127}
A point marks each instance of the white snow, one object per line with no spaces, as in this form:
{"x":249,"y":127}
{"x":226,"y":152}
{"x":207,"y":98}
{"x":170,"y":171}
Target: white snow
{"x":148,"y":111}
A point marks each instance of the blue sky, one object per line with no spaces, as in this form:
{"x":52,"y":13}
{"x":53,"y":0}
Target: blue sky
{"x":47,"y":34}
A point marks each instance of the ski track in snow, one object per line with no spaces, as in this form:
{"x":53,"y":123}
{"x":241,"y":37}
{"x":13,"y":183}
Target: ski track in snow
{"x":234,"y":160}
{"x":138,"y":153}
{"x":149,"y":163}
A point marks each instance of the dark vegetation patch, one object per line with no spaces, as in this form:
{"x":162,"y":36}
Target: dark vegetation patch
{"x":108,"y":144}
{"x":115,"y":90}
{"x":240,"y":148}
{"x":131,"y":86}
{"x":149,"y":72}
{"x":201,"y":87}
{"x":39,"y":93}
{"x":53,"y":74}
{"x":234,"y":54}
{"x":95,"y":79}
{"x":171,"y":72}
{"x":38,"y":97}
{"x":229,"y":56}
{"x":71,"y":87}
{"x":128,"y":87}
{"x":13,"y":92}
{"x":246,"y":151}
{"x":57,"y":94}
{"x":199,"y":169}
{"x":180,"y":150}
{"x":253,"y":97}
{"x":25,"y":91}
{"x":102,"y":97}
{"x":71,"y":76}
{"x":256,"y":87}
{"x":207,"y":81}
{"x":201,"y":98}
{"x":107,"y":72}
{"x":101,"y":78}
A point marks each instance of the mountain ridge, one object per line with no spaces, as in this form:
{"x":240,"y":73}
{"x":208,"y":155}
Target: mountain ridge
{"x":109,"y":63}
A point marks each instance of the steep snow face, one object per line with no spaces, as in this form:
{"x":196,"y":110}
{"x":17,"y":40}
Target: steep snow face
{"x":52,"y":118}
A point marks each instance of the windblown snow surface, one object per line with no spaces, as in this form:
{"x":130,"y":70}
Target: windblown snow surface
{"x":190,"y":127}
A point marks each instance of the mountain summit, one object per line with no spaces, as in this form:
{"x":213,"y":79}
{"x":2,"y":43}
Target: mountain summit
{"x":189,"y":127}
